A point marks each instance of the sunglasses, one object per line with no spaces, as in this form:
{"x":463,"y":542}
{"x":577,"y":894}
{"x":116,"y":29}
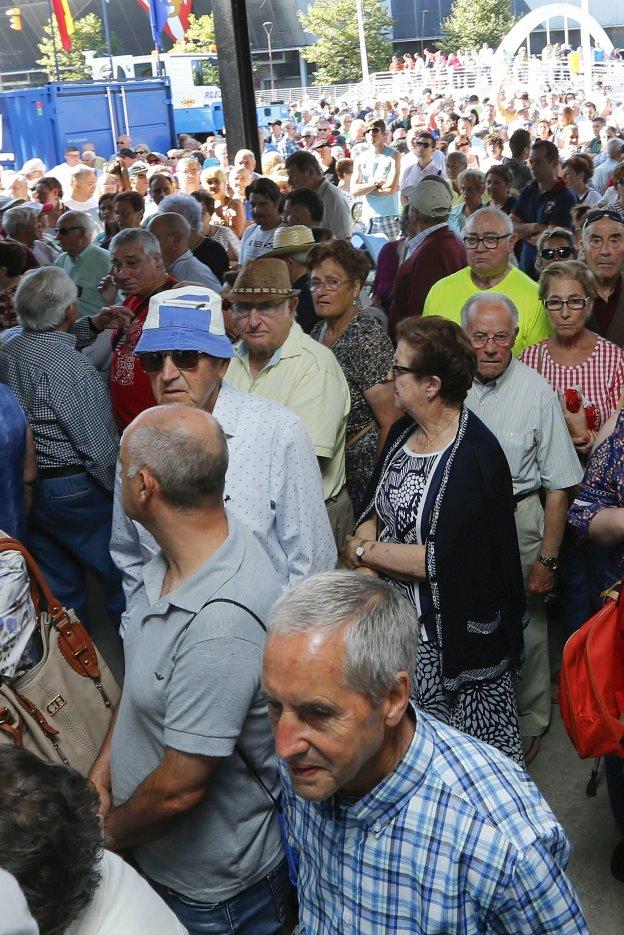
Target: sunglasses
{"x":549,"y":253}
{"x":154,"y":361}
{"x":67,"y":230}
{"x":592,"y":216}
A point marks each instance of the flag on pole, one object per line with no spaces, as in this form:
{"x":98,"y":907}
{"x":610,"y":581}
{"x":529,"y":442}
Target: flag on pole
{"x":64,"y":21}
{"x":177,"y":19}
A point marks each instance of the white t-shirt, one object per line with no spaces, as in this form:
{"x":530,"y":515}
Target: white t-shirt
{"x":125,"y":904}
{"x":255,"y":242}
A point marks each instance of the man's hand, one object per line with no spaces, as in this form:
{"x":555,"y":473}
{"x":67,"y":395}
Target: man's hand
{"x":540,"y":580}
{"x":101,"y":780}
{"x":112,"y":316}
{"x":107,"y":288}
{"x":585,"y":443}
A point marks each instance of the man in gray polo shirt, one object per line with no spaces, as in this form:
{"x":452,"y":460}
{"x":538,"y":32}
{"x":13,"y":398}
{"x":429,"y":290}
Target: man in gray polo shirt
{"x":176,"y":775}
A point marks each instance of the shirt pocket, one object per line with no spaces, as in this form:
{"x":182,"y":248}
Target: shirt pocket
{"x":519,"y":448}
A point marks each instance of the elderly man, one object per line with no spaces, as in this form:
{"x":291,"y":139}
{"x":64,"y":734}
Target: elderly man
{"x":603,"y":172}
{"x":138,"y":271}
{"x":292,"y":245}
{"x":205,"y":249}
{"x":489,"y":240}
{"x":432,"y":254}
{"x":173,"y":233}
{"x":82,"y":260}
{"x":23,"y":223}
{"x":520,"y":408}
{"x":69,"y":411}
{"x":178,"y":775}
{"x":83,"y":183}
{"x":603,"y":245}
{"x":185,"y":353}
{"x":275,"y":359}
{"x":304,"y":172}
{"x":402,"y":823}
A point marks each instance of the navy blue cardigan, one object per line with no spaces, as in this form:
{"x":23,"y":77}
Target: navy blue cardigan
{"x":472,"y":558}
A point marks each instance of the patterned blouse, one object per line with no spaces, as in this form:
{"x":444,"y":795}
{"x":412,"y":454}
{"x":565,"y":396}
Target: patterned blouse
{"x":364,"y":351}
{"x":600,"y":378}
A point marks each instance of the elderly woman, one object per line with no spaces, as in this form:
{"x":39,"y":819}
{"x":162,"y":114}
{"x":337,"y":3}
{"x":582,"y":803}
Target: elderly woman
{"x":266,"y":210}
{"x":364,"y":351}
{"x":614,"y":195}
{"x":554,"y":245}
{"x":498,"y":182}
{"x":228,"y":209}
{"x":188,"y":174}
{"x":471,"y":190}
{"x":438,"y":522}
{"x":577,"y":172}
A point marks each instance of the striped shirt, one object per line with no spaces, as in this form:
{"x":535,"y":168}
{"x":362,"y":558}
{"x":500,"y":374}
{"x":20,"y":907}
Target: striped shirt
{"x":456,"y":839}
{"x":520,"y":408}
{"x":599,"y":379}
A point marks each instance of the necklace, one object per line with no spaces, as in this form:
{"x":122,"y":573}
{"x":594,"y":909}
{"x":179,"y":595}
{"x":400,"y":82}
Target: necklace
{"x":431,"y":438}
{"x":330,"y":339}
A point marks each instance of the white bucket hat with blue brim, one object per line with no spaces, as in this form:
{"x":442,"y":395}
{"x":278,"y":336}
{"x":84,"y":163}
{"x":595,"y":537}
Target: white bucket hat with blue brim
{"x":185,"y":319}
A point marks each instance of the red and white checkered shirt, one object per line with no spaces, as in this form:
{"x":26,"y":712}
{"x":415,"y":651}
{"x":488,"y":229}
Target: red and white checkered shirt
{"x":599,"y":379}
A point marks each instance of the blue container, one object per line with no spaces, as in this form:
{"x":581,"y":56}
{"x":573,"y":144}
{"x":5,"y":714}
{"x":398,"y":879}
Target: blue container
{"x":44,"y":121}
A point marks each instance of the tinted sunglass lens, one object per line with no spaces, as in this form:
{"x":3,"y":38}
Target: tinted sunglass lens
{"x":151,"y":362}
{"x":185,"y":360}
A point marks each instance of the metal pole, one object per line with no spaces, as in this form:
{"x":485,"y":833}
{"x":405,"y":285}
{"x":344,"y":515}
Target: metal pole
{"x":268,"y":28}
{"x":107,"y":37}
{"x":588,"y":59}
{"x":362,"y":38}
{"x":422,"y":30}
{"x":54,"y":48}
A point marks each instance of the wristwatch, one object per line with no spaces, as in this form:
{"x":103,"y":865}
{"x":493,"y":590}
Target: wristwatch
{"x":550,"y":563}
{"x":359,"y":552}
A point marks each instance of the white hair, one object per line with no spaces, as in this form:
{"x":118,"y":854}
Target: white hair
{"x":614,"y":147}
{"x":494,"y":212}
{"x":42,"y":298}
{"x":489,"y":298}
{"x":80,"y":219}
{"x":186,"y":205}
{"x":79,"y":170}
{"x":147,"y":241}
{"x":15,"y":217}
{"x":381,"y":628}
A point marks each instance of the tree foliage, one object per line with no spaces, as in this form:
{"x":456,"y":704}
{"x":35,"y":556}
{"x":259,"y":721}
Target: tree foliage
{"x":200,"y":37}
{"x":336,"y":51}
{"x":88,"y":36}
{"x":473,"y":22}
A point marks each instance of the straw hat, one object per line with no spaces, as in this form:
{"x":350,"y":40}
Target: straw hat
{"x":289,"y":240}
{"x":262,"y":279}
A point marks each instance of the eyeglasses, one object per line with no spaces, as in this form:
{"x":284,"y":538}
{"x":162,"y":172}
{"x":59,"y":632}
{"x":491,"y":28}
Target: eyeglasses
{"x":262,"y":308}
{"x":424,"y":143}
{"x":141,"y":152}
{"x":154,"y":361}
{"x":397,"y":369}
{"x":490,"y":241}
{"x":619,"y":182}
{"x":575,"y":303}
{"x":549,"y":253}
{"x":501,"y":339}
{"x":66,"y":230}
{"x":331,"y":284}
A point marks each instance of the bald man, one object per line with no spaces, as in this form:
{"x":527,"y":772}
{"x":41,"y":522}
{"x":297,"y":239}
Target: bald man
{"x":174,"y":787}
{"x":173,"y":233}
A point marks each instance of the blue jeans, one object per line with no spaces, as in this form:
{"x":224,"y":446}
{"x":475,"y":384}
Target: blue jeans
{"x":585,"y":570}
{"x":266,"y":908}
{"x":69,"y":531}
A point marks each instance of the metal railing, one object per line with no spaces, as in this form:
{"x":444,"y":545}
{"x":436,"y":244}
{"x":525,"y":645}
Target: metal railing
{"x":31,"y":78}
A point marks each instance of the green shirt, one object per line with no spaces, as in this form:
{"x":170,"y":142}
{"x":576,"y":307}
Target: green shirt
{"x":448,"y":296}
{"x":86,"y":270}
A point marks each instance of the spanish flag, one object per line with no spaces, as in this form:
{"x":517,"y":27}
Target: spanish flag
{"x":65,"y":22}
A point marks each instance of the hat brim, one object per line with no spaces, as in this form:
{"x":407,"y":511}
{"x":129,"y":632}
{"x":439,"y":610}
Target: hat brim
{"x":184,"y":339}
{"x":263,"y":295}
{"x":286,"y":251}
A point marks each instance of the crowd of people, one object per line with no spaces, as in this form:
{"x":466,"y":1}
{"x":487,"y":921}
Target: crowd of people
{"x":337,"y":431}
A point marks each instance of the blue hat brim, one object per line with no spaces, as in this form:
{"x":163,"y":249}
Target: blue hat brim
{"x":184,"y":339}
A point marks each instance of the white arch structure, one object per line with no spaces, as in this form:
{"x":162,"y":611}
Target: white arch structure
{"x":518,"y":33}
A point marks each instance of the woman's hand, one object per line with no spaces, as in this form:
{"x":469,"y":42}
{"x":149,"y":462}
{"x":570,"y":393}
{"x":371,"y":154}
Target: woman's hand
{"x":348,"y":557}
{"x":584,"y":443}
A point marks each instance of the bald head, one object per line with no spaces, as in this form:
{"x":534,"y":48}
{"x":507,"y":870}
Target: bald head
{"x":173,"y":233}
{"x":181,"y":452}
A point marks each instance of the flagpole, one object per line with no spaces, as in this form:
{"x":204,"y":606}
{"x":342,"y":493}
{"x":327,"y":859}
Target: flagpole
{"x":55,"y":50}
{"x":107,"y":36}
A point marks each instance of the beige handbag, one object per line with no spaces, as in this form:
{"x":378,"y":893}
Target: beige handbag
{"x":60,"y":709}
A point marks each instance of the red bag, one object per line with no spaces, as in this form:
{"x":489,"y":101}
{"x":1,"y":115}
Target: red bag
{"x":591,"y":686}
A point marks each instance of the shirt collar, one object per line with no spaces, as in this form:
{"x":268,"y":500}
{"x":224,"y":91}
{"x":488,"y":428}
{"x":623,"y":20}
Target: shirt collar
{"x":290,"y":348}
{"x":383,"y":803}
{"x":226,"y":408}
{"x":196,"y":592}
{"x":417,"y":239}
{"x":63,"y":336}
{"x":187,"y":255}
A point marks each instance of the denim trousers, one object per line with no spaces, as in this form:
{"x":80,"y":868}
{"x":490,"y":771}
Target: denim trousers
{"x":266,"y":908}
{"x":69,"y":531}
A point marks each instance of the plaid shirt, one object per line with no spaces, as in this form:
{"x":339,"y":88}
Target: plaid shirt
{"x":456,"y":839}
{"x":66,"y":401}
{"x":287,"y":146}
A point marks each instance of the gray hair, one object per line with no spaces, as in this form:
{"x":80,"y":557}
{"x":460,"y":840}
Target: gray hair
{"x":189,"y":471}
{"x":489,"y":298}
{"x":148,"y":242}
{"x":381,"y":628}
{"x":474,"y":175}
{"x":42,"y":298}
{"x":186,"y":205}
{"x":80,"y":219}
{"x":79,"y":170}
{"x":614,"y":147}
{"x":15,"y":217}
{"x":496,"y":213}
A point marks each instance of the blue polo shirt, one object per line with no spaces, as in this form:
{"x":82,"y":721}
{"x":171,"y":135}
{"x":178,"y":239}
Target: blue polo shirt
{"x":535,"y":207}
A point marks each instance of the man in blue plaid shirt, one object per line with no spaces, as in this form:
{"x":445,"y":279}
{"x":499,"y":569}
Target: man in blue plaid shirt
{"x":402,"y":823}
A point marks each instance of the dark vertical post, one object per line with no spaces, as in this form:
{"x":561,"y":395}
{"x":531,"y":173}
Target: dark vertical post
{"x":236,"y":76}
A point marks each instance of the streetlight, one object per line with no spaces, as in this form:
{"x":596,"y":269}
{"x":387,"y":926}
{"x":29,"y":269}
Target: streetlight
{"x":422,"y":30}
{"x":268,"y":27}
